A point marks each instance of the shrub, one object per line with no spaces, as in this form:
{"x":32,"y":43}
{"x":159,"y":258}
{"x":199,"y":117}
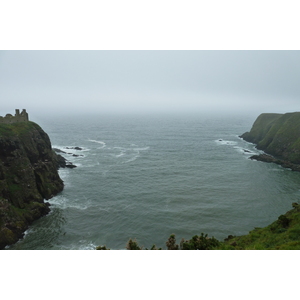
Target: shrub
{"x":202,"y":242}
{"x":171,"y":243}
{"x":102,"y":248}
{"x":284,"y":221}
{"x":133,"y":245}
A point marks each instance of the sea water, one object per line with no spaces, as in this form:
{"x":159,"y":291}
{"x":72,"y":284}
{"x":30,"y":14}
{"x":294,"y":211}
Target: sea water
{"x":149,"y":176}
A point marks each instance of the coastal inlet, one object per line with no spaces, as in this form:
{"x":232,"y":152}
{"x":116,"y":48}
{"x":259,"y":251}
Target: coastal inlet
{"x":148,"y":177}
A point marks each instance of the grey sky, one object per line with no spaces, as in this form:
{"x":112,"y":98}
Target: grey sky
{"x":149,"y":81}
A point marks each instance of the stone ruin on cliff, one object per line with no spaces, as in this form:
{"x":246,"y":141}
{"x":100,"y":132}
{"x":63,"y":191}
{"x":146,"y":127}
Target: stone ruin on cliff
{"x":18,"y":117}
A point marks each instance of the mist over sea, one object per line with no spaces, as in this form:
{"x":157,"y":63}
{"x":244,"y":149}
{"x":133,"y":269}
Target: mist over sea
{"x":147,"y":177}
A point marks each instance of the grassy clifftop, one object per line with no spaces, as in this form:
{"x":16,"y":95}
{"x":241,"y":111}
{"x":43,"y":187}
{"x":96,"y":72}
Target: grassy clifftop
{"x":28,"y":175}
{"x":283,"y":234}
{"x":278,"y":135}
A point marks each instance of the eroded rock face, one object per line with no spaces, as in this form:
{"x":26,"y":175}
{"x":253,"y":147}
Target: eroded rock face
{"x":28,"y":175}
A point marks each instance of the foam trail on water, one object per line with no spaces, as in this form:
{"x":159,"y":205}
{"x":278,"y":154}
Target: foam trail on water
{"x":244,"y":151}
{"x":98,"y":142}
{"x":224,"y":142}
{"x":63,"y":203}
{"x":141,"y":149}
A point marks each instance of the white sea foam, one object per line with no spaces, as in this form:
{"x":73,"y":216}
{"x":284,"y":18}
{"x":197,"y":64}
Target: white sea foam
{"x":127,"y":152}
{"x":89,"y":246}
{"x":131,"y":159}
{"x":98,"y":142}
{"x":63,"y":203}
{"x":141,"y":149}
{"x":63,"y":173}
{"x":224,"y":142}
{"x":81,"y":245}
{"x":121,"y":154}
{"x":244,"y":151}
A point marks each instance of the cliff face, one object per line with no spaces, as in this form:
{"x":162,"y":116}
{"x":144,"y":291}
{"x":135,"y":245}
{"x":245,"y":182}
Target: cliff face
{"x":28,"y":175}
{"x":278,"y":135}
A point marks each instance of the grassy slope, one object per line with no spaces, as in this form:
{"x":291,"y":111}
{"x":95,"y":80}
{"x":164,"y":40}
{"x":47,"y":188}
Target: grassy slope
{"x":278,"y":135}
{"x":283,"y":234}
{"x":15,"y":129}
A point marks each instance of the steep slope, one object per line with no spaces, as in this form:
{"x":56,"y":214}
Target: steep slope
{"x":28,"y":175}
{"x":278,"y":135}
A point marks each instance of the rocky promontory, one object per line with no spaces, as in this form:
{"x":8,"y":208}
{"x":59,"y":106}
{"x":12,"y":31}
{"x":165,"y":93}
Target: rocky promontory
{"x":279,"y":136}
{"x":28,"y":175}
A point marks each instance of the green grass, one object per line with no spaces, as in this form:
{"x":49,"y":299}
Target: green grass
{"x":7,"y":130}
{"x":283,"y":234}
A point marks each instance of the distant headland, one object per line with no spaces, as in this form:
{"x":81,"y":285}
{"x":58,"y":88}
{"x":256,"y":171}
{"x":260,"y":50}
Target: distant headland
{"x":278,"y":135}
{"x":18,"y":117}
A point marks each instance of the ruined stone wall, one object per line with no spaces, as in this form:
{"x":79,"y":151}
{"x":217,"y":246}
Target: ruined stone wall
{"x":18,"y":117}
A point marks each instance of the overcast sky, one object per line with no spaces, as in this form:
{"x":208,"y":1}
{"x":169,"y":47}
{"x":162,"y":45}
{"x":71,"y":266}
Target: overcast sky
{"x":149,"y":81}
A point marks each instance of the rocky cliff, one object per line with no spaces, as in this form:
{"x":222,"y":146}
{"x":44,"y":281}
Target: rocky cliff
{"x":279,"y":136}
{"x":28,"y":175}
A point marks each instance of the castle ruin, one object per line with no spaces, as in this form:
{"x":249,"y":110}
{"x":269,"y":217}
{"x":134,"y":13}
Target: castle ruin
{"x":18,"y":117}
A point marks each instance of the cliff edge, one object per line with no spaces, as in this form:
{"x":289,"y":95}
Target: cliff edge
{"x":279,"y":136}
{"x":28,"y":175}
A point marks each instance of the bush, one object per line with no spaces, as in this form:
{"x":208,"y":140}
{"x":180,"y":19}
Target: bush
{"x":284,"y":221}
{"x":171,"y":243}
{"x":202,"y":242}
{"x":133,"y":245}
{"x":102,"y":248}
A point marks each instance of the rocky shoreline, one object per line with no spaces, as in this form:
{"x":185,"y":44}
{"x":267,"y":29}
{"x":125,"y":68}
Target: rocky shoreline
{"x":270,"y":159}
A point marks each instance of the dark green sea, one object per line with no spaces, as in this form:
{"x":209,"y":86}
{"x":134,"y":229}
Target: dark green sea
{"x":147,"y":177}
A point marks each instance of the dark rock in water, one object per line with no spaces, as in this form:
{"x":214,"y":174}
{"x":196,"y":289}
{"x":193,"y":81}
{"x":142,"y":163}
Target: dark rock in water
{"x":58,"y":150}
{"x":247,"y":151}
{"x":63,"y":163}
{"x":28,"y":175}
{"x":75,"y":148}
{"x":70,"y":165}
{"x":271,"y":159}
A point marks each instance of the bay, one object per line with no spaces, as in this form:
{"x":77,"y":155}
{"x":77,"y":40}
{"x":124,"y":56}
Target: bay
{"x":148,"y":176}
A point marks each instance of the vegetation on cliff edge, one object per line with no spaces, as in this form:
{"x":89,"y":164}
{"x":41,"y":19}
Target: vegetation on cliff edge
{"x":283,"y":234}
